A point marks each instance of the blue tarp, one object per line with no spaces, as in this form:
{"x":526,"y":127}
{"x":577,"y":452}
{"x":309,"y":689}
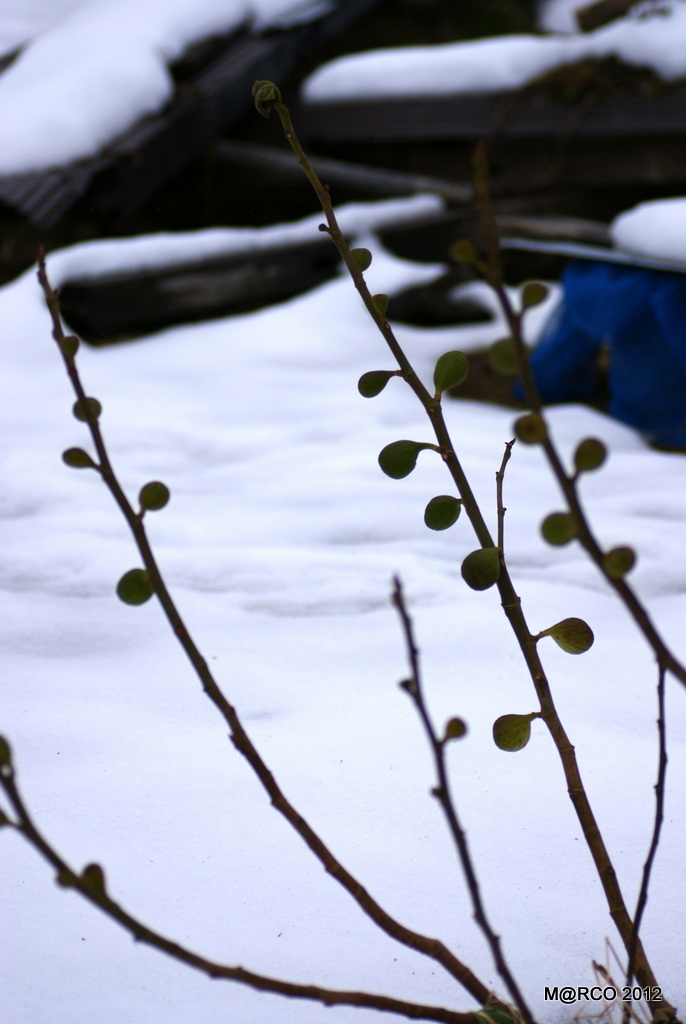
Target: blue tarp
{"x":639,"y":314}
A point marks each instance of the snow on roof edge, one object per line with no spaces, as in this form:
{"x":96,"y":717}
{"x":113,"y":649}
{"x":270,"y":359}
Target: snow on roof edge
{"x":500,"y":63}
{"x":78,"y":85}
{"x":152,"y":252}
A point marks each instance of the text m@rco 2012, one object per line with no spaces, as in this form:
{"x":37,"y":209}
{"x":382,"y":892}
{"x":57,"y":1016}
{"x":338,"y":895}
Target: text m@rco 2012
{"x":600,"y":993}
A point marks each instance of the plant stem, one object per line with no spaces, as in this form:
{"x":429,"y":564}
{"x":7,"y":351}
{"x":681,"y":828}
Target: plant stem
{"x":499,"y":480}
{"x":268,"y":98}
{"x":657,"y":826}
{"x":426,"y":945}
{"x":492,"y":270}
{"x":141,"y":933}
{"x":443,"y":794}
{"x":628,"y":929}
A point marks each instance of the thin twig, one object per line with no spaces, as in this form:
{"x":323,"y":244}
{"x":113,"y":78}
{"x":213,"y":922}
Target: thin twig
{"x":604,"y":974}
{"x":98,"y":895}
{"x":568,"y":483}
{"x":657,"y":826}
{"x":268,"y":98}
{"x":443,"y":794}
{"x":499,"y":480}
{"x":426,"y":945}
{"x":491,"y":268}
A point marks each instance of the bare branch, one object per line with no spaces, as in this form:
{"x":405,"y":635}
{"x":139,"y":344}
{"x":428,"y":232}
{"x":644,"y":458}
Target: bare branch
{"x":426,"y":945}
{"x":90,"y":884}
{"x":499,"y":480}
{"x":268,"y":98}
{"x":443,"y":794}
{"x":666,"y":661}
{"x":657,"y":826}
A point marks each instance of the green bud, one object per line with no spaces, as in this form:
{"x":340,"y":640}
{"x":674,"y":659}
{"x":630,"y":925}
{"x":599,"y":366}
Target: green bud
{"x":558,"y":528}
{"x":134,"y":587}
{"x":265,"y":94}
{"x":573,"y":635}
{"x":533,"y":294}
{"x":481,"y":568}
{"x":362,"y":258}
{"x":153,"y":496}
{"x":91,"y":409}
{"x":373,"y":382}
{"x":66,"y":878}
{"x":590,"y":454}
{"x":442,"y":511}
{"x":619,"y":561}
{"x":513,"y":732}
{"x":450,"y":370}
{"x":455,"y":729}
{"x":495,"y":1012}
{"x":78,"y":459}
{"x":94,"y":877}
{"x":530,"y":428}
{"x":464,"y":251}
{"x":69,"y":345}
{"x":502,"y":355}
{"x":381,"y":303}
{"x":399,"y":458}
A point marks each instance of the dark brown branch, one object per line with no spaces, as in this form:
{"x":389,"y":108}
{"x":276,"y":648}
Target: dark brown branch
{"x":657,"y":826}
{"x":268,"y":98}
{"x":443,"y":794}
{"x":499,"y":480}
{"x":98,"y":896}
{"x":426,"y":945}
{"x":666,"y":661}
{"x":567,"y":484}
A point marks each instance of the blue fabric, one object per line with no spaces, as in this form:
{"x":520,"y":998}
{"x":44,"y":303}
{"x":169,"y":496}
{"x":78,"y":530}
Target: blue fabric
{"x":640,"y":315}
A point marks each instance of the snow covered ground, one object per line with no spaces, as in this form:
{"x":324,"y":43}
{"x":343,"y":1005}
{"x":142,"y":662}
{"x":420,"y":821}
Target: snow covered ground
{"x":279,"y":544}
{"x":656,"y":40}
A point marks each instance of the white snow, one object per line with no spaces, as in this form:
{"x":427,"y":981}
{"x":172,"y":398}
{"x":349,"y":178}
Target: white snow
{"x":122,"y":50}
{"x":100,"y":68}
{"x":279,"y":544}
{"x":501,"y":63}
{"x":558,"y":15}
{"x":656,"y":229}
{"x":147,"y":252}
{"x":23,"y":19}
